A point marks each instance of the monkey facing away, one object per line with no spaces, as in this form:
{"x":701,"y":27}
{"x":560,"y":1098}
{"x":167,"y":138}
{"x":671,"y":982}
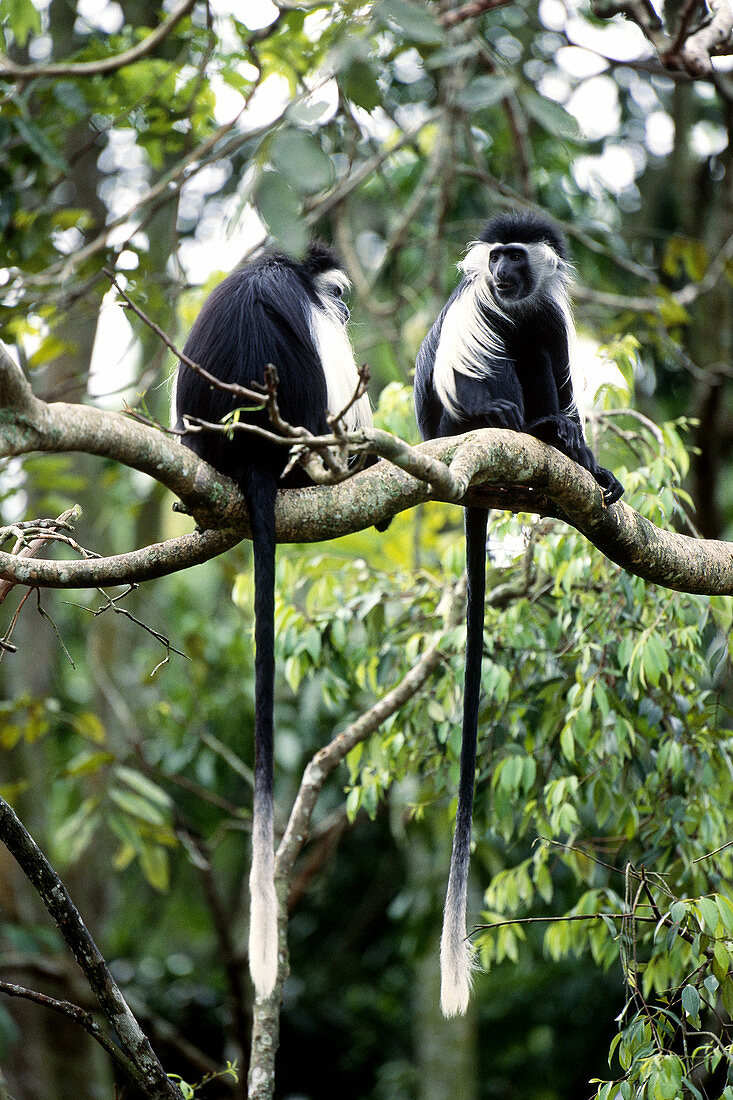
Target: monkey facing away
{"x":498,"y":356}
{"x":290,"y":314}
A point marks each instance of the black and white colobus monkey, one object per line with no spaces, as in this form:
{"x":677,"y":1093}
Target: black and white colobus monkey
{"x":291,"y":314}
{"x":497,"y":356}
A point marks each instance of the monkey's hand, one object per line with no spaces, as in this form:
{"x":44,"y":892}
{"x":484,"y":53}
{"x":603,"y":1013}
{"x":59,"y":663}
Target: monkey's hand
{"x":561,"y":432}
{"x":567,"y":435}
{"x":503,"y":414}
{"x":611,"y":486}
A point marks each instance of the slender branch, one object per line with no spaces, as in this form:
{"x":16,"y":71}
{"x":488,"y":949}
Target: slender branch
{"x":146,"y":1069}
{"x":691,"y":50}
{"x":556,"y":920}
{"x":470,"y":10}
{"x":33,"y":548}
{"x":335,"y":752}
{"x":713,"y":38}
{"x":78,"y":1015}
{"x":265,"y":1026}
{"x":157,"y":560}
{"x":228,"y":387}
{"x":9,"y":69}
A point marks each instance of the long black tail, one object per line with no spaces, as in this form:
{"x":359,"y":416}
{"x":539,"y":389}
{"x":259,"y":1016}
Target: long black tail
{"x":260,"y":497}
{"x":456,"y":955}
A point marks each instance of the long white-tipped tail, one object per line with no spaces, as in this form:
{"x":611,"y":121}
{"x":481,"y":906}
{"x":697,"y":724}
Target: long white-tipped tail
{"x":260,"y":495}
{"x":263,"y":906}
{"x":457,"y":956}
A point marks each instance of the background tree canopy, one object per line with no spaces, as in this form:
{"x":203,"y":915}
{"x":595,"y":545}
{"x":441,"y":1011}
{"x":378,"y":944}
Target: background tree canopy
{"x":162,"y":144}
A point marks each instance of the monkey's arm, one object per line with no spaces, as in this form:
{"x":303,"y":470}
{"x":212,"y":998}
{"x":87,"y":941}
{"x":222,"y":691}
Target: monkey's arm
{"x":561,"y":426}
{"x":492,"y":401}
{"x":427,"y":406}
{"x":566,"y":435}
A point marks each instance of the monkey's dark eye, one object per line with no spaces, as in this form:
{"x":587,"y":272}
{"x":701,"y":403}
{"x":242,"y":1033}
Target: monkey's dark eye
{"x":337,"y":291}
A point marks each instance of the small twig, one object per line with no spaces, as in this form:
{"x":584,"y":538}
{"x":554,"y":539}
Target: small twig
{"x":24,"y":549}
{"x":7,"y":646}
{"x":707,"y":855}
{"x":72,"y":1012}
{"x":229,"y":757}
{"x":228,"y":387}
{"x":112,"y":605}
{"x":471,"y":10}
{"x":650,"y":426}
{"x":45,"y":615}
{"x":623,"y":915}
{"x":361,"y":389}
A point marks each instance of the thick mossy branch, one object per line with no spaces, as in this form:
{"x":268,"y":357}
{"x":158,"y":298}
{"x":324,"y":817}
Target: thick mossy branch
{"x":513,"y":472}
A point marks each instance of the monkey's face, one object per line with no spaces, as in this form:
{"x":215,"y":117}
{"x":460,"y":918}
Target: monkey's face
{"x":510,"y":273}
{"x":330,"y":287}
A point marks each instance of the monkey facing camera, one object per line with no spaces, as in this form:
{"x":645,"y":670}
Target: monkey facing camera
{"x":498,"y":356}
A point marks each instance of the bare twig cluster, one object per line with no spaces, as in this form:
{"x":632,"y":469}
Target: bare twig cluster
{"x":704,"y":30}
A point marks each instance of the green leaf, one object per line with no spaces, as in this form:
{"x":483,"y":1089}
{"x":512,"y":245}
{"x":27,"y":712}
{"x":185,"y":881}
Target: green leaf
{"x":567,"y":744}
{"x":23,"y":17}
{"x":551,"y":116}
{"x":73,"y":837}
{"x":356,"y":75}
{"x":86,"y":763}
{"x":483,"y":91}
{"x":358,"y":82}
{"x":353,"y":802}
{"x":725,"y":908}
{"x":137,"y":807}
{"x":678,"y":911}
{"x":144,"y":786}
{"x":155,"y":866}
{"x":416,"y":23}
{"x":451,"y":55}
{"x":710,"y":915}
{"x":302,"y":162}
{"x":280,"y":210}
{"x":691,"y":1003}
{"x":90,"y":726}
{"x":37,"y":140}
{"x":726,"y":995}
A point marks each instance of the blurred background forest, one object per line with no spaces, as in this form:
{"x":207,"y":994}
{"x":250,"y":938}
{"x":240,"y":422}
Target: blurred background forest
{"x":391,"y":130}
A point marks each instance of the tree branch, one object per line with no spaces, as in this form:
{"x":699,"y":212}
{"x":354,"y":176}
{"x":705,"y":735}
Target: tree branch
{"x":9,"y":69}
{"x":266,"y":1012}
{"x":492,"y":467}
{"x":76,"y":1013}
{"x":688,"y":47}
{"x":134,"y":1044}
{"x":471,"y":10}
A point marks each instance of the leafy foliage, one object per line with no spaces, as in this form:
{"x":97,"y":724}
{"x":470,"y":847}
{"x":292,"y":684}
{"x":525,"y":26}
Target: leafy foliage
{"x":602,"y":807}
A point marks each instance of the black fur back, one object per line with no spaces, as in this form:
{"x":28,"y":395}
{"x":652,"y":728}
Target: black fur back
{"x":257,"y":316}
